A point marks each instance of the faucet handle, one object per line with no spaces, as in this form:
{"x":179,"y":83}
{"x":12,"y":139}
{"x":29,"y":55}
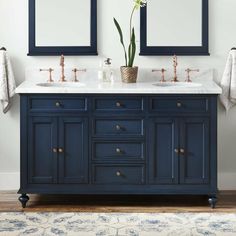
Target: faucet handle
{"x":162,"y":74}
{"x":50,"y":70}
{"x":188,"y":70}
{"x":75,"y":70}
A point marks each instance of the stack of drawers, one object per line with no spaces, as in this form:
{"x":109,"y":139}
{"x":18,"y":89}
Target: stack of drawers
{"x":118,"y":141}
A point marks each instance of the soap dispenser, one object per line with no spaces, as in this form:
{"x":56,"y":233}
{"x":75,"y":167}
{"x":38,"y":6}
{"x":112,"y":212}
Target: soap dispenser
{"x":108,"y":72}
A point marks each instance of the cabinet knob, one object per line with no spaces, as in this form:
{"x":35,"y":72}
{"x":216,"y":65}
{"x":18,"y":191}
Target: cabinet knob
{"x":179,"y":104}
{"x":60,"y":150}
{"x":182,"y":151}
{"x":54,"y":150}
{"x":58,"y":104}
{"x":118,"y":104}
{"x":176,"y":150}
{"x":118,"y":127}
{"x":118,"y":173}
{"x":118,"y":150}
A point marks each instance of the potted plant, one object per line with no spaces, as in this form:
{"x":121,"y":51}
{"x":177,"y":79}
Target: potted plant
{"x":129,"y":72}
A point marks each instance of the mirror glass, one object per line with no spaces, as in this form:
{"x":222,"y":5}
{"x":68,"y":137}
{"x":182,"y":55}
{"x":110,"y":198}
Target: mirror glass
{"x":62,"y":23}
{"x":174,"y":23}
{"x":66,"y":27}
{"x":178,"y":27}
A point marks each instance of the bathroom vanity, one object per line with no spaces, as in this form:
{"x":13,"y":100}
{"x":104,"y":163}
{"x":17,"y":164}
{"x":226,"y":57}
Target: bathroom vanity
{"x":118,"y":139}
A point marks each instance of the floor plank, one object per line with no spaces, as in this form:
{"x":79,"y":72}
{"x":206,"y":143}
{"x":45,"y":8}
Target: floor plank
{"x":127,"y":204}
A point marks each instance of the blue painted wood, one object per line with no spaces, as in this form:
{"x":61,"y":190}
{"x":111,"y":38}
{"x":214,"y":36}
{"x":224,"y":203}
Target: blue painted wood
{"x":35,"y":50}
{"x":73,"y":140}
{"x":163,"y":161}
{"x":118,"y":174}
{"x":194,"y":162}
{"x":42,"y":161}
{"x":147,"y":139}
{"x":170,"y":50}
{"x":118,"y":150}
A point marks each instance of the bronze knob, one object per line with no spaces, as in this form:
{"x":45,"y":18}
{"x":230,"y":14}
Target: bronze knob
{"x":118,"y":104}
{"x":182,"y":151}
{"x":57,"y":104}
{"x":179,"y":104}
{"x":176,"y":150}
{"x":54,"y":150}
{"x":118,"y":128}
{"x":118,"y":173}
{"x":60,"y":150}
{"x":118,"y":150}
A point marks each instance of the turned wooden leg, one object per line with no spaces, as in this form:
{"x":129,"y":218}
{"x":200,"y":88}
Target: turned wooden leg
{"x":24,"y":198}
{"x":212,"y":201}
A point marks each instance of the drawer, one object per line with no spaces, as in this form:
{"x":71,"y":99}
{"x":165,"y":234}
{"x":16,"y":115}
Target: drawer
{"x":180,"y":104}
{"x":118,"y":104}
{"x":116,"y":151}
{"x":124,"y":127}
{"x":58,"y":104}
{"x":119,"y":174}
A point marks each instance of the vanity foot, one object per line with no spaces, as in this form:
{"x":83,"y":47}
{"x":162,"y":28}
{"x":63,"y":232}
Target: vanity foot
{"x":212,"y":201}
{"x":24,"y":198}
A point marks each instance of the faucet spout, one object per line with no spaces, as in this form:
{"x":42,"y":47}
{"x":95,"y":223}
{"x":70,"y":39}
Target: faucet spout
{"x":62,"y":64}
{"x":175,"y":64}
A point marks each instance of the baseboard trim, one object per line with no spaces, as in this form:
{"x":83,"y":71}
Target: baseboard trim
{"x":11,"y":181}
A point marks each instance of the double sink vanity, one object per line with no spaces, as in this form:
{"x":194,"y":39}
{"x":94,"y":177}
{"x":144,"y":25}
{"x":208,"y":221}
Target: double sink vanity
{"x":147,"y":138}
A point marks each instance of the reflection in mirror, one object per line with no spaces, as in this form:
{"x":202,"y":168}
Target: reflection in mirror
{"x":63,"y":23}
{"x":171,"y":24}
{"x":174,"y":27}
{"x":66,"y":27}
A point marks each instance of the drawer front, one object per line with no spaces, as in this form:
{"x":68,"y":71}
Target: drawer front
{"x":125,"y":127}
{"x":116,"y":151}
{"x":58,"y":104}
{"x":118,"y":104}
{"x":179,"y":104}
{"x":119,"y":174}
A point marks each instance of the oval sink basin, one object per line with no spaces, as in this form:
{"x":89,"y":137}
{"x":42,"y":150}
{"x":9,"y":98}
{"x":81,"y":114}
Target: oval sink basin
{"x":61,"y":85}
{"x":177,"y":84}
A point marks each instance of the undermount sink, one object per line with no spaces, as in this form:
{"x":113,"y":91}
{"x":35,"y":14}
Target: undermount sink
{"x":62,"y":85}
{"x":177,"y":84}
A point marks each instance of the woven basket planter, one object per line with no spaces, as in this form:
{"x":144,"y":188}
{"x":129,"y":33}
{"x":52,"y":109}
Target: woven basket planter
{"x":129,"y":74}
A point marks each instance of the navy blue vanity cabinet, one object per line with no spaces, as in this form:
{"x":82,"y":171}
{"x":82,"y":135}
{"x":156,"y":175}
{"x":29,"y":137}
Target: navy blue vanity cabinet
{"x":118,"y":144}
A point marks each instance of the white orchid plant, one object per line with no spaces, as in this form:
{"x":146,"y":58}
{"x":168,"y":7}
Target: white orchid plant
{"x":129,"y":57}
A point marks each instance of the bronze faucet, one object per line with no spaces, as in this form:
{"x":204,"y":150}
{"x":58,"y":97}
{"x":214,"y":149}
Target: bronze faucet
{"x":175,"y":61}
{"x":62,"y":64}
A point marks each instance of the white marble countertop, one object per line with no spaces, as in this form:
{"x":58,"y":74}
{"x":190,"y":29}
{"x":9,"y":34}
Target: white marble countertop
{"x":91,"y":85}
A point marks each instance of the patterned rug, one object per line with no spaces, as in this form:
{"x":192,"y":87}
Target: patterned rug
{"x":115,"y":224}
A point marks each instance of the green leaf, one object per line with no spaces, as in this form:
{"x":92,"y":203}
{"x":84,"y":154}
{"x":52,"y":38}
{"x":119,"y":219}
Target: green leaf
{"x":132,"y":49}
{"x":121,"y":38}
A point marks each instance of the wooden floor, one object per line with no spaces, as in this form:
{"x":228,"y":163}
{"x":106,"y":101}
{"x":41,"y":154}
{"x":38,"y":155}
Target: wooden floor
{"x":145,"y":204}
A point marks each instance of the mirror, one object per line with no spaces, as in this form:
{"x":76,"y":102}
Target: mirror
{"x":66,"y":27}
{"x":174,"y":27}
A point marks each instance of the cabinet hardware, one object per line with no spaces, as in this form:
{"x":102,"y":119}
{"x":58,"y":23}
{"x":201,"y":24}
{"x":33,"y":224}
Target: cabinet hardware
{"x":176,"y":150}
{"x":182,"y":151}
{"x":118,"y":127}
{"x":179,"y":104}
{"x":60,"y":150}
{"x":118,"y":150}
{"x":58,"y":104}
{"x":118,"y":104}
{"x":54,"y":150}
{"x":118,"y":173}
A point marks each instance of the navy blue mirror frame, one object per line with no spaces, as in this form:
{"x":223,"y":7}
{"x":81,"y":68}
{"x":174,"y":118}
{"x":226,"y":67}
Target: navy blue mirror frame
{"x":185,"y":51}
{"x":65,"y":50}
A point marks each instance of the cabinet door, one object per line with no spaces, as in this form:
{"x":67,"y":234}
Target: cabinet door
{"x":194,"y":159}
{"x":163,"y":161}
{"x":73,"y":140}
{"x":42,"y":167}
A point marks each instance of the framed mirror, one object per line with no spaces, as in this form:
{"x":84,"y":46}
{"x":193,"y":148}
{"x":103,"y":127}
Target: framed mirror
{"x":174,"y":27}
{"x":66,"y":27}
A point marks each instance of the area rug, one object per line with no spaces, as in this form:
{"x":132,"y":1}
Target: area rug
{"x":117,"y":224}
